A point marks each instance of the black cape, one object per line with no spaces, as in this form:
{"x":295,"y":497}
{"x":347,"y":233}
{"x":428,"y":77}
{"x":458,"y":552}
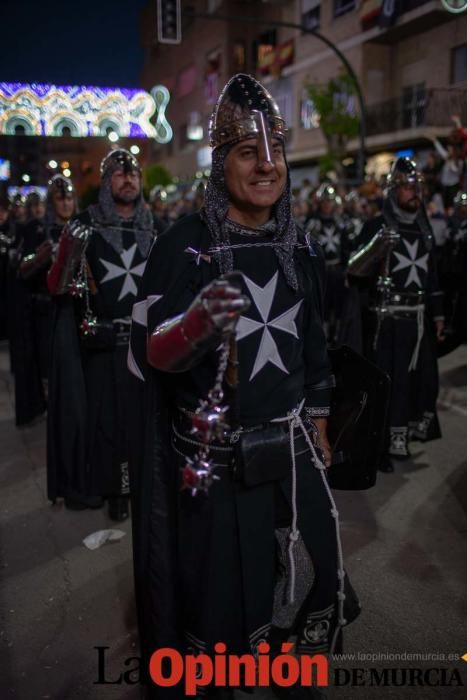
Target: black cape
{"x":86,"y":428}
{"x":153,"y":474}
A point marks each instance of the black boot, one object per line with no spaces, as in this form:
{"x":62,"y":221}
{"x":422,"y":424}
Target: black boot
{"x":297,"y":692}
{"x":119,"y":508}
{"x":74,"y":504}
{"x":221,"y":694}
{"x":94,"y":502}
{"x":386,"y":465}
{"x":276,"y":638}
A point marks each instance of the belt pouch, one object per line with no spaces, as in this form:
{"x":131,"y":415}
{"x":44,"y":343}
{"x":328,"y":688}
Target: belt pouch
{"x":262,"y":455}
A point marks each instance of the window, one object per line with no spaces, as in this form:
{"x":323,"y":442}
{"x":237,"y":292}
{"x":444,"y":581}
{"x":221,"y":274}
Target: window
{"x":310,"y":19}
{"x":343,"y":6}
{"x":309,"y":117}
{"x":263,"y":45}
{"x":459,"y":64}
{"x":212,"y":76}
{"x":413,"y":106}
{"x":311,"y":10}
{"x":239,"y":57}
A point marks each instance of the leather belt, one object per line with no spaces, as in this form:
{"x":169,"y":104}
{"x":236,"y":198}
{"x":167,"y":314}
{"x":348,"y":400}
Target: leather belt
{"x":122,"y":331}
{"x":184,"y":443}
{"x":41,"y":297}
{"x":406,"y":299}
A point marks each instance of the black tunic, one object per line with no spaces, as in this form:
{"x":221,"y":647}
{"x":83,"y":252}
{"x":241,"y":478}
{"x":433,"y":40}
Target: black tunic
{"x":205,"y":567}
{"x":6,"y":238}
{"x":96,"y":423}
{"x":33,"y":325}
{"x":413,"y":272}
{"x":333,"y":236}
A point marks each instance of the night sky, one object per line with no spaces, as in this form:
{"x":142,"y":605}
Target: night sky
{"x":93,"y":42}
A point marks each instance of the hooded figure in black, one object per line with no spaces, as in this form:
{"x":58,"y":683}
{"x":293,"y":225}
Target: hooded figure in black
{"x":33,"y":305}
{"x":403,"y":309}
{"x":456,"y":288}
{"x":6,"y":239}
{"x":236,"y":549}
{"x":100,"y":260}
{"x":327,"y":226}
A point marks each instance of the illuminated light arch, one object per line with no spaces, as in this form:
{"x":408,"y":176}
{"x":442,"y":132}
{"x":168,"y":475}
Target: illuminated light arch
{"x":107,"y":121}
{"x":19,"y":117}
{"x":61,"y":120}
{"x":45,"y":109}
{"x":161,"y":97}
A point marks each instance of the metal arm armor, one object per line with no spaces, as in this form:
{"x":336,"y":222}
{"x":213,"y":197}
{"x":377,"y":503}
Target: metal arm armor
{"x":28,"y":266}
{"x":179,"y":343}
{"x":71,"y":247}
{"x":362,"y":263}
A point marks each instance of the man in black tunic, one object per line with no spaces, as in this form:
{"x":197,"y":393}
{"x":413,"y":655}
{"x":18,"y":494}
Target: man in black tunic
{"x":6,"y":239}
{"x":329,"y":229}
{"x":456,"y":291}
{"x":33,"y":305}
{"x":403,"y":314}
{"x":101,"y":258}
{"x":258,"y":556}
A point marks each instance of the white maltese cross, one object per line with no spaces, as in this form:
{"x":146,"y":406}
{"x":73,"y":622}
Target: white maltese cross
{"x":263,"y":298}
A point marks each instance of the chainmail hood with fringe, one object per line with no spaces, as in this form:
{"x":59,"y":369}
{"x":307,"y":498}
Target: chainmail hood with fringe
{"x":109,"y":224}
{"x":216,"y":203}
{"x":63,"y":185}
{"x":214,"y":213}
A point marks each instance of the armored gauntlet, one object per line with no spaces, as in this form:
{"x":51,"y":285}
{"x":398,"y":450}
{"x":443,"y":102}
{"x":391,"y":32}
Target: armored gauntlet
{"x":71,"y":247}
{"x":180,"y":342}
{"x":363,"y":262}
{"x":35,"y":261}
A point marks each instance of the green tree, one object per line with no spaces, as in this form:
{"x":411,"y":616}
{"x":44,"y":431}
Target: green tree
{"x":156,"y":174}
{"x":335,"y":103}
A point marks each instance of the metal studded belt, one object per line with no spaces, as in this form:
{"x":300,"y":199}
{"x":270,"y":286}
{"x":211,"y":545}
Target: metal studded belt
{"x":223,"y":454}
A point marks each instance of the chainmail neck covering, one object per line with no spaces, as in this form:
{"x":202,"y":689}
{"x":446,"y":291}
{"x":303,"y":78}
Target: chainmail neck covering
{"x":267,"y":229}
{"x":394,"y":215}
{"x":109,"y":224}
{"x":214,"y":213}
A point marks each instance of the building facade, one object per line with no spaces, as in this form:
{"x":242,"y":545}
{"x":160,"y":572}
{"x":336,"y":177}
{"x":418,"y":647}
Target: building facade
{"x":410,"y":59}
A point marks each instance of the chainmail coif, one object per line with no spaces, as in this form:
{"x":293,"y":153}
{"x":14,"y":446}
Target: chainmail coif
{"x":214,"y":213}
{"x":109,"y":223}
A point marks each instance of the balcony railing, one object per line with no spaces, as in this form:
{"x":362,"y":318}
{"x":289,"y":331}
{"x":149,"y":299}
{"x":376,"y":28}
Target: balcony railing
{"x":433,"y":108}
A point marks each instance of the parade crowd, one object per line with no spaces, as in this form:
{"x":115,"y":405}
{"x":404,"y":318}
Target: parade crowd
{"x":380,"y":268}
{"x":334,"y":214}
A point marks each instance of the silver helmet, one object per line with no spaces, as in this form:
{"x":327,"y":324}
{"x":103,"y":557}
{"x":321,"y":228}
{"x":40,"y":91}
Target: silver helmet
{"x":327,"y":192}
{"x":60,"y":183}
{"x":460,"y":200}
{"x":403,"y":172}
{"x":117,"y":159}
{"x":245,"y":109}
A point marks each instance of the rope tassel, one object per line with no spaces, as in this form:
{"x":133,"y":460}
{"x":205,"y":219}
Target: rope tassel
{"x":295,"y":421}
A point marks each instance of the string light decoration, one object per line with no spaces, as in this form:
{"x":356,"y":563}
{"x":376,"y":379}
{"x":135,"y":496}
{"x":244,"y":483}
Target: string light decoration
{"x":66,"y":110}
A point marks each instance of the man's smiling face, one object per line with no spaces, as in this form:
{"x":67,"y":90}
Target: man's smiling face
{"x":254,"y":185}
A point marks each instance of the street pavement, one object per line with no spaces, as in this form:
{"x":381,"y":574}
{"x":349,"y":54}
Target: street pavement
{"x":404,"y":544}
